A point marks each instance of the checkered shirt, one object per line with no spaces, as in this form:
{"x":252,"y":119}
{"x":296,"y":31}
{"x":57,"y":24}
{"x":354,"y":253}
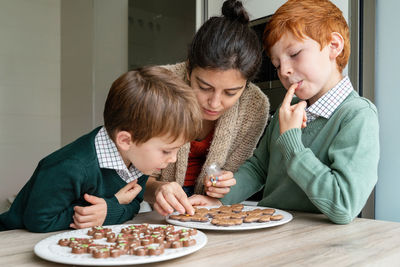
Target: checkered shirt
{"x":109,"y":157}
{"x":327,"y":104}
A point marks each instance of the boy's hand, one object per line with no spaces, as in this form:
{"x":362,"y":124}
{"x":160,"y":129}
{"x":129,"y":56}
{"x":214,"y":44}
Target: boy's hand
{"x":170,"y":197}
{"x":292,"y":116}
{"x":200,"y":200}
{"x":126,"y":194}
{"x":90,"y":216}
{"x":220,"y":188}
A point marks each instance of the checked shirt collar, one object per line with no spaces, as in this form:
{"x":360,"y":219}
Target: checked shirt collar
{"x":328,"y":103}
{"x":109,"y":157}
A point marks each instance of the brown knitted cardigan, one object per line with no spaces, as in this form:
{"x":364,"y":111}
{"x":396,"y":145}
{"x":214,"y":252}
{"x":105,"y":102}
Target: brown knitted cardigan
{"x":236,"y":134}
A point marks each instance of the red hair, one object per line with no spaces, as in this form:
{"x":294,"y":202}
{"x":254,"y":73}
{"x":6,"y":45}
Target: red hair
{"x":315,"y":19}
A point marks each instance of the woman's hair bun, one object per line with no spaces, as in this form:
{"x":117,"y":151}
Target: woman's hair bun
{"x":234,"y":10}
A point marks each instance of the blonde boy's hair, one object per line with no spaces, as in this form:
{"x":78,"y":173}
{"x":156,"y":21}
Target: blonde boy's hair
{"x":315,"y":19}
{"x":152,"y":102}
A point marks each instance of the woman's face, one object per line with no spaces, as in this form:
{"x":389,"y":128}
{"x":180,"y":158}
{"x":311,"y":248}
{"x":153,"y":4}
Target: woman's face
{"x":216,"y":90}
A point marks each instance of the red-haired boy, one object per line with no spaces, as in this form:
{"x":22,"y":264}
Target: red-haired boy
{"x":320,"y":152}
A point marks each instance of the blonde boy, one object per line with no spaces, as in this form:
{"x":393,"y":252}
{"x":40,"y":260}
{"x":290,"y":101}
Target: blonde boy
{"x":148,"y":115}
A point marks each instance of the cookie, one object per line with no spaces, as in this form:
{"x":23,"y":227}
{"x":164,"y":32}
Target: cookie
{"x":222,"y":216}
{"x":188,"y":242}
{"x":115,"y":253}
{"x":277,"y":217}
{"x":98,"y":232}
{"x":252,"y":218}
{"x":79,"y":249}
{"x":181,"y":217}
{"x":140,"y":251}
{"x":101,"y":253}
{"x":226,"y":222}
{"x":155,"y":250}
{"x":255,"y":212}
{"x":268,"y":211}
{"x":176,"y":244}
{"x":64,"y":242}
{"x":237,"y":207}
{"x":225,"y":209}
{"x":199,"y":218}
{"x":264,"y":218}
{"x":238,"y":215}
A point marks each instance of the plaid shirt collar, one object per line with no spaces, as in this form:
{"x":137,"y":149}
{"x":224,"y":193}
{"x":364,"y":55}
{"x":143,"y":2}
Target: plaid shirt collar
{"x":109,"y":157}
{"x":327,"y":104}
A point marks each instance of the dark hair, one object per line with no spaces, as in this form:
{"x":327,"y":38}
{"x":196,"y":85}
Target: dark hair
{"x":227,"y":42}
{"x":151,"y":102}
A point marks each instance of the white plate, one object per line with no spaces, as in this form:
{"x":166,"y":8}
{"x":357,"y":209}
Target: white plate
{"x":48,"y":249}
{"x":287,"y":217}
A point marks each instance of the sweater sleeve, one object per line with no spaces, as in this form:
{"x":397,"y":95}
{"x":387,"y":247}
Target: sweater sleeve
{"x":56,"y":189}
{"x":252,"y":119}
{"x":120,"y":213}
{"x":338,"y":190}
{"x":251,"y":176}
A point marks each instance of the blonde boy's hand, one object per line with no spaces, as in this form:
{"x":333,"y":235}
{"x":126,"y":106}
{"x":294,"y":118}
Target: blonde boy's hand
{"x":170,"y":197}
{"x":126,"y":194}
{"x":221,"y":187}
{"x":292,"y":116}
{"x":90,"y":216}
{"x":200,"y":200}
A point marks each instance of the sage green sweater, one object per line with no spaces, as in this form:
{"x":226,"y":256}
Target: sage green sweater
{"x":330,"y":166}
{"x":46,"y":202}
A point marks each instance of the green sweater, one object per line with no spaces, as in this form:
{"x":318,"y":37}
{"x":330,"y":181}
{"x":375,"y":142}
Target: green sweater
{"x":330,"y":166}
{"x":58,"y":184}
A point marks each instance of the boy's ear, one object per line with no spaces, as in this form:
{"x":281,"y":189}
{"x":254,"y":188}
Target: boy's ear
{"x":336,"y":45}
{"x":123,"y":140}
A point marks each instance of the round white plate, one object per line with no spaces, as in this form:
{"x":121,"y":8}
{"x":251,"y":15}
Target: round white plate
{"x":287,"y":217}
{"x":48,"y":249}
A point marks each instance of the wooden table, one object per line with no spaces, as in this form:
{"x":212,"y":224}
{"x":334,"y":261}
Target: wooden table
{"x":308,"y":240}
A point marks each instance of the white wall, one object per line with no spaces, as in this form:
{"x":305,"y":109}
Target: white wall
{"x":387,"y":95}
{"x":110,"y":46}
{"x":214,"y":7}
{"x":57,"y":62}
{"x":94,"y":53}
{"x":77,"y":31}
{"x":29,"y":89}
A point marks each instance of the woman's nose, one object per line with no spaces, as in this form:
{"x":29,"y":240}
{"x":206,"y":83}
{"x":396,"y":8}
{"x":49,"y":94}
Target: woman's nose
{"x":215,"y":100}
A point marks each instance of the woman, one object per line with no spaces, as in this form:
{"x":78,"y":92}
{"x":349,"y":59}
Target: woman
{"x":224,"y":56}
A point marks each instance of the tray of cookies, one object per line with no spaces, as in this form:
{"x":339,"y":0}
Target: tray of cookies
{"x":234,"y":217}
{"x":121,"y":244}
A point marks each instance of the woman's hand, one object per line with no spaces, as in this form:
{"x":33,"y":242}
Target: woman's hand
{"x":170,"y":197}
{"x":221,"y":187}
{"x":292,"y":116}
{"x":200,"y":200}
